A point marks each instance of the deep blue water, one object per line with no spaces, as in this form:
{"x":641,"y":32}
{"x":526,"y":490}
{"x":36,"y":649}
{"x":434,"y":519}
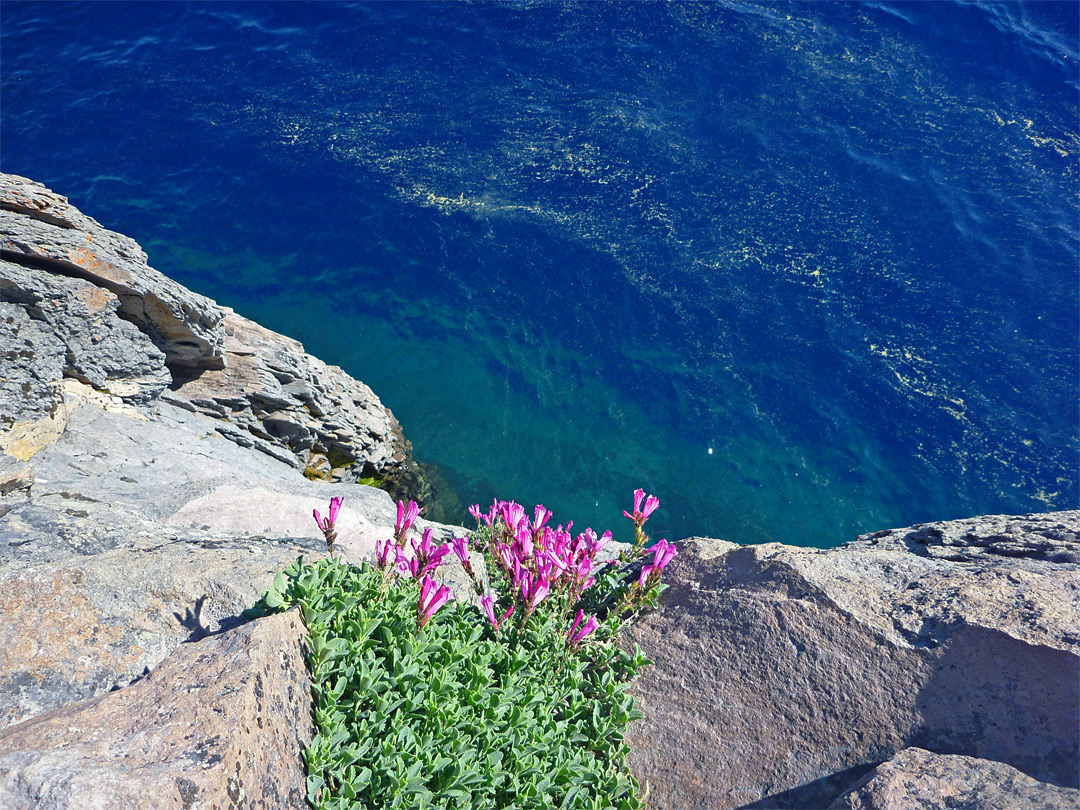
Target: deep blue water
{"x":801,"y":270}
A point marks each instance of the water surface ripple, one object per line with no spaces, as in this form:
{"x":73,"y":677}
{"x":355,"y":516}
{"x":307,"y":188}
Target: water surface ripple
{"x":801,"y":270}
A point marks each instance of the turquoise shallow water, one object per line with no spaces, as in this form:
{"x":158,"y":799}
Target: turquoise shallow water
{"x":801,"y":270}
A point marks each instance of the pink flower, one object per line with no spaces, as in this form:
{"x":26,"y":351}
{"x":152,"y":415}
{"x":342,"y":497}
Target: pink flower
{"x":327,"y":524}
{"x":575,"y":636}
{"x":512,"y":514}
{"x":461,"y":549}
{"x":547,"y":568}
{"x":523,"y":540}
{"x":663,"y":553}
{"x":533,"y":591}
{"x":488,"y":602}
{"x":405,"y":519}
{"x":405,"y":565}
{"x":382,"y":554}
{"x":428,"y":556}
{"x":596,"y":545}
{"x":583,"y":569}
{"x":643,"y":577}
{"x":642,"y":514}
{"x":541,"y":517}
{"x":432,"y":597}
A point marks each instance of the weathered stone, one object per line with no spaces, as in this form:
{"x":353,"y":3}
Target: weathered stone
{"x":283,"y":398}
{"x":220,"y":723}
{"x":142,"y":533}
{"x":100,"y":349}
{"x":1052,"y":537}
{"x":15,"y":476}
{"x":82,"y":303}
{"x":32,"y":413}
{"x":783,"y":672}
{"x":124,"y":598}
{"x":154,"y":468}
{"x":39,"y":228}
{"x":915,"y":778}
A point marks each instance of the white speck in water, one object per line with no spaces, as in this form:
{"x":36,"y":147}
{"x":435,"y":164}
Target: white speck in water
{"x":710,"y":451}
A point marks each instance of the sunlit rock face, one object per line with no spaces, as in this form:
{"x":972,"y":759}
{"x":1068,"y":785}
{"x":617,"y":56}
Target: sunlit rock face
{"x":782,"y":674}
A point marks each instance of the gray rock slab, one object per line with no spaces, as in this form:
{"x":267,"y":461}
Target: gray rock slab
{"x":139,"y":534}
{"x":220,"y":723}
{"x":179,"y":470}
{"x":39,"y":228}
{"x":782,"y":672}
{"x":100,"y":348}
{"x":155,"y":467}
{"x":116,"y":600}
{"x":33,"y":366}
{"x":916,"y":778}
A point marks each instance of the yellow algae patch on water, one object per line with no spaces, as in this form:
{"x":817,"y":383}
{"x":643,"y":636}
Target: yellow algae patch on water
{"x":1064,"y":146}
{"x":918,"y":375}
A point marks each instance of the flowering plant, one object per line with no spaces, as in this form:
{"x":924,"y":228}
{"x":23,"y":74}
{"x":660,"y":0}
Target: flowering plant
{"x":327,"y":525}
{"x":426,"y":700}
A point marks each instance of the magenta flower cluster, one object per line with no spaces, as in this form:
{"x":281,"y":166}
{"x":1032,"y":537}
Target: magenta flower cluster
{"x":663,"y":553}
{"x":425,"y":559}
{"x":540,"y":561}
{"x":641,"y":513}
{"x":432,"y":597}
{"x":537,"y":560}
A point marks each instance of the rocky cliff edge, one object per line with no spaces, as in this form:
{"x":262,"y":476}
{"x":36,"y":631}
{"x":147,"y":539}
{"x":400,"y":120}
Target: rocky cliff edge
{"x":152,"y":484}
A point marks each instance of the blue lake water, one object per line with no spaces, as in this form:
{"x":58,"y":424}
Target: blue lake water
{"x":802,"y":270}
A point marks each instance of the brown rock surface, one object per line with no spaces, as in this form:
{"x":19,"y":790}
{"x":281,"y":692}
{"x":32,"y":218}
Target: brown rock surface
{"x":782,"y":673}
{"x":915,"y":778}
{"x":220,"y":723}
{"x":83,"y":625}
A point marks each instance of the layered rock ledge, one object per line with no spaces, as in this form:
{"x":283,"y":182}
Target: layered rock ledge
{"x":79,"y":302}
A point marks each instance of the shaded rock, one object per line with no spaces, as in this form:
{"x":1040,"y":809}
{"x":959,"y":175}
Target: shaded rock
{"x":40,"y":229}
{"x":220,"y":723}
{"x":33,"y":357}
{"x":783,"y":673}
{"x":918,"y":778}
{"x":80,"y":302}
{"x":100,"y":349}
{"x":275,"y":396}
{"x":32,"y":412}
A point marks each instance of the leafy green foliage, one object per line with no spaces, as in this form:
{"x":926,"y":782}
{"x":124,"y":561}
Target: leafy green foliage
{"x":451,"y":714}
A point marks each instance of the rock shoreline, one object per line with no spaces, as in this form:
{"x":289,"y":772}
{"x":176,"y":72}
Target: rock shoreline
{"x":152,"y":482}
{"x":79,"y":302}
